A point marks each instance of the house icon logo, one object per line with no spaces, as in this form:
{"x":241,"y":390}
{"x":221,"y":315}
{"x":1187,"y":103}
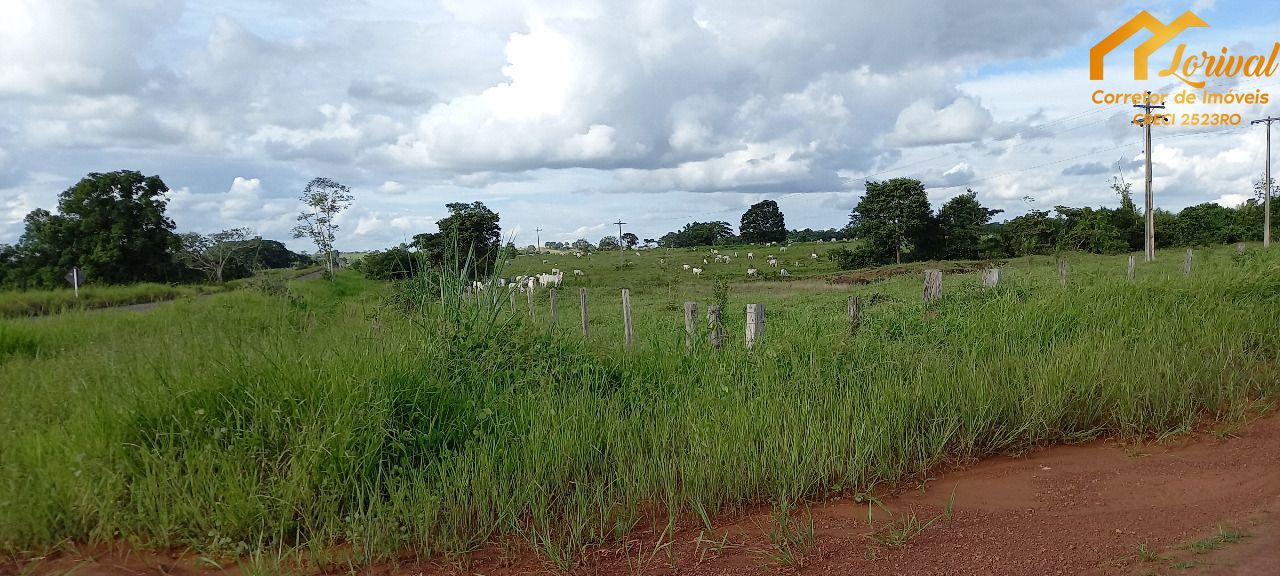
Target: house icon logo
{"x":1161,"y":34}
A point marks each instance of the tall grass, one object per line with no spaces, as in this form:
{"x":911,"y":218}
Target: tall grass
{"x":246,"y":422}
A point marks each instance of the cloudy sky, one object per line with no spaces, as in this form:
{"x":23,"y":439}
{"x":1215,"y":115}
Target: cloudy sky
{"x":567,"y":115}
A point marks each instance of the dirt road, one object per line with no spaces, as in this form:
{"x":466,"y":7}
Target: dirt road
{"x":1204,"y":505}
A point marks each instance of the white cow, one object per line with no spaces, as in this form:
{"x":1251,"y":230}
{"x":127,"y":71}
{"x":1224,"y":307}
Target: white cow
{"x":752,"y":272}
{"x":715,"y":251}
{"x":477,"y":285}
{"x":782,"y":249}
{"x":577,"y":272}
{"x":773,"y":262}
{"x":555,"y":270}
{"x":697,"y":271}
{"x":783,"y":272}
{"x":813,"y":256}
{"x":502,"y":282}
{"x":704,"y":261}
{"x":726,"y":259}
{"x":685,"y":266}
{"x":750,"y":256}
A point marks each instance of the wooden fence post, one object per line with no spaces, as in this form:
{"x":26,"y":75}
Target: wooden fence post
{"x":582,"y":304}
{"x":628,"y":335}
{"x":1133,"y":265}
{"x":932,"y":285}
{"x":990,"y":277}
{"x":1186,"y":263}
{"x":1063,"y":269}
{"x":855,"y":313}
{"x":529,"y":297}
{"x":690,"y":314}
{"x":554,"y":316}
{"x":717,"y":329}
{"x":513,"y":301}
{"x":755,"y":323}
{"x":1239,"y":247}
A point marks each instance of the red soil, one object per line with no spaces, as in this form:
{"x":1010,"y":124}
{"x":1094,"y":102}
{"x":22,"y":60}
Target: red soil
{"x":1064,"y":510}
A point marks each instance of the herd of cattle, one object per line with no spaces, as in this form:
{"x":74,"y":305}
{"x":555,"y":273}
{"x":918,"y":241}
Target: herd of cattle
{"x":556,"y":277}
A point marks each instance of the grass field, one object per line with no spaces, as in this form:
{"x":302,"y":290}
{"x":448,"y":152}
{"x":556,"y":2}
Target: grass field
{"x":332,"y":424}
{"x":20,"y":303}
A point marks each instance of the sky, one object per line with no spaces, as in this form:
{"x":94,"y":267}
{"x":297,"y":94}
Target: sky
{"x":571,"y":115}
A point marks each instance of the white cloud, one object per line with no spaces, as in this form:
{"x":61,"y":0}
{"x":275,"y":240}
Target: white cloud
{"x":924,"y":124}
{"x":391,"y":187}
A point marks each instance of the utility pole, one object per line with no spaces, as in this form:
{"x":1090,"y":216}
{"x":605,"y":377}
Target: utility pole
{"x":1149,"y":240}
{"x":1266,"y":185}
{"x":622,"y":251}
{"x":538,"y":247}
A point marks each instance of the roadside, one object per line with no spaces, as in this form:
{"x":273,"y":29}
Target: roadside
{"x":1201,"y":505}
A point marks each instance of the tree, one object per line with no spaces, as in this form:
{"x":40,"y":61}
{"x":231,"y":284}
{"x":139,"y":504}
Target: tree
{"x":325,"y":199}
{"x":763,"y":222}
{"x":393,"y":264}
{"x":471,"y":232}
{"x":112,"y":225}
{"x":893,"y":217}
{"x":697,"y":234}
{"x":961,"y":221}
{"x":213,"y":253}
{"x":650,"y":242}
{"x":272,"y":254}
{"x":630,"y":240}
{"x":608,"y":243}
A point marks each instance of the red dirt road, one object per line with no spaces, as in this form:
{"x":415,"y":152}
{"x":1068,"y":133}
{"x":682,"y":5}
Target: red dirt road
{"x":1064,"y":510}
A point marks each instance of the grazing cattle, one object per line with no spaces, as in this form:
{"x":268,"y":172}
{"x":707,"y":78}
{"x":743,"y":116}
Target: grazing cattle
{"x":502,"y":282}
{"x":697,"y":271}
{"x":685,"y":266}
{"x":550,"y":279}
{"x":704,"y":261}
{"x":750,"y":256}
{"x":555,"y":270}
{"x":783,"y":272}
{"x":819,"y":240}
{"x":752,"y":272}
{"x":477,"y":285}
{"x":735,"y":253}
{"x":726,"y":259}
{"x":544,"y":261}
{"x":813,"y":256}
{"x":577,"y":272}
{"x":773,"y":261}
{"x":782,"y":249}
{"x":715,"y":251}
{"x":577,"y":254}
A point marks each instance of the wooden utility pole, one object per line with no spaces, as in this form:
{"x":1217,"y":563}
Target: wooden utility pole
{"x":538,"y":248}
{"x":1149,"y":240}
{"x":622,"y":250}
{"x":1266,"y":185}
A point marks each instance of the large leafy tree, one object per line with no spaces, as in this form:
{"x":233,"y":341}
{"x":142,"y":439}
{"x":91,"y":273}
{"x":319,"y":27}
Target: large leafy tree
{"x":763,"y":222}
{"x":112,"y":225}
{"x":470,"y":233}
{"x":608,"y":243}
{"x":325,"y":199}
{"x":961,"y":221}
{"x":630,"y":240}
{"x":893,"y":217}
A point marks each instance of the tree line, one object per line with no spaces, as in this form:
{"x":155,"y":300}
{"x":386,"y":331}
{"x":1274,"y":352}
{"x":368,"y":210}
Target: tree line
{"x":114,"y":227}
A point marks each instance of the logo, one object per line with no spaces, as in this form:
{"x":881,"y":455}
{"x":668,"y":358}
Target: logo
{"x":1161,"y":34}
